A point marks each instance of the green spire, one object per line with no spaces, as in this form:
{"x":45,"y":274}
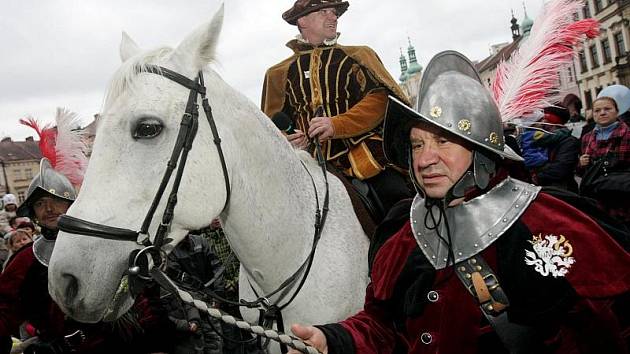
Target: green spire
{"x":414,"y":67}
{"x":403,"y":67}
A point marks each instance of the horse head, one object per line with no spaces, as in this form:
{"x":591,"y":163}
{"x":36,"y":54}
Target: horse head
{"x":138,"y":129}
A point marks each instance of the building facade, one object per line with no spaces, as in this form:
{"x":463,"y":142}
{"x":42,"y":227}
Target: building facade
{"x":605,"y":60}
{"x":19,"y":163}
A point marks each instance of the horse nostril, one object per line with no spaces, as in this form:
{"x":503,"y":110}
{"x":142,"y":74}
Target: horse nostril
{"x":72,"y":287}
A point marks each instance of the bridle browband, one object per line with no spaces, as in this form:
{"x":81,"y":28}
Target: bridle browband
{"x":183,"y":144}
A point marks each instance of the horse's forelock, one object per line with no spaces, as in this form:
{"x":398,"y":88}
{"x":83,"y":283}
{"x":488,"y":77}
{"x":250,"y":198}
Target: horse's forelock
{"x":123,"y":78}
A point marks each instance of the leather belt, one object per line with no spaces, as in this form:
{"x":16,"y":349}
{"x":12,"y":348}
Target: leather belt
{"x":484,"y":286}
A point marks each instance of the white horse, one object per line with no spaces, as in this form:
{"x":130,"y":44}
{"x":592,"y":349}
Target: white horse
{"x":269,"y":217}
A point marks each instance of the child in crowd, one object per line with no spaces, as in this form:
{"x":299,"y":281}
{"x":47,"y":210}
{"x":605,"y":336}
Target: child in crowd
{"x":15,"y":240}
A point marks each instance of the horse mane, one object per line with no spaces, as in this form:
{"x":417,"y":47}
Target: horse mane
{"x":123,"y":78}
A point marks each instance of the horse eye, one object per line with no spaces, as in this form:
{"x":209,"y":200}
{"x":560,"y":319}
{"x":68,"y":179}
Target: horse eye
{"x":147,"y":129}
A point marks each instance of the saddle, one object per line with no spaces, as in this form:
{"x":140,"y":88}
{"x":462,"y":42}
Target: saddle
{"x":367,"y":207}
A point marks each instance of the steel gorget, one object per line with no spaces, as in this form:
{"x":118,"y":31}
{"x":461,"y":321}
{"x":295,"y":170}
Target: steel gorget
{"x":474,"y":224}
{"x":43,"y":248}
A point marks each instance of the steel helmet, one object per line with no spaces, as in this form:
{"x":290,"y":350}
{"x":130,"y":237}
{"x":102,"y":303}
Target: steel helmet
{"x":47,"y":183}
{"x":451,"y":98}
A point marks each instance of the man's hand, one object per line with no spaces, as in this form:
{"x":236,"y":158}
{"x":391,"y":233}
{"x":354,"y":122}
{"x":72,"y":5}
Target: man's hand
{"x":585,"y":160}
{"x":298,"y":140}
{"x":321,"y":127}
{"x":311,"y":335}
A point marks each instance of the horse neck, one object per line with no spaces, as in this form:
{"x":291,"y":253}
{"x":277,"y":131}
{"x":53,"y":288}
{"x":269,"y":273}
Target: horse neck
{"x":270,"y":217}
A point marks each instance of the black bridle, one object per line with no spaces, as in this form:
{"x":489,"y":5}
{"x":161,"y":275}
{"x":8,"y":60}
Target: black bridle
{"x":138,"y":261}
{"x":183,"y":144}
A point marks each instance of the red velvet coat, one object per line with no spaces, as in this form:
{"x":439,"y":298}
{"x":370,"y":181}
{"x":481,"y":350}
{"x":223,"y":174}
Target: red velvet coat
{"x":24,"y":297}
{"x":573,"y":312}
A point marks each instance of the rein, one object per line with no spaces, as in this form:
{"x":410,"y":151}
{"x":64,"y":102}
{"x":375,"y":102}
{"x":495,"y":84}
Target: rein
{"x":139,"y":271}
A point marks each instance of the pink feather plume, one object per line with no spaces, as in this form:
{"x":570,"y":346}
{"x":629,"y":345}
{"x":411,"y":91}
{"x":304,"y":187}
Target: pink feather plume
{"x":70,"y":147}
{"x":63,"y":144}
{"x":528,"y":80}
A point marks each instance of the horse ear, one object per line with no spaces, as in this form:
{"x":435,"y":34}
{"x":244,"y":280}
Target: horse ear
{"x":197,"y":50}
{"x":128,"y":47}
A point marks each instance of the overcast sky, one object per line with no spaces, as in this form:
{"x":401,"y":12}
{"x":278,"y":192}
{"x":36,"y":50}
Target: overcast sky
{"x":63,"y":52}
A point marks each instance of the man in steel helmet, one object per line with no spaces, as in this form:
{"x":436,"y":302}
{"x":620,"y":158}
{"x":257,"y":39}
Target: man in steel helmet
{"x":23,"y":284}
{"x":24,"y":293}
{"x":478,"y":262}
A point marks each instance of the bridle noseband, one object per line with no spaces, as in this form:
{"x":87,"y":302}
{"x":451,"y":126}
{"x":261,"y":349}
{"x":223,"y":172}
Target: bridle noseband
{"x":179,"y":155}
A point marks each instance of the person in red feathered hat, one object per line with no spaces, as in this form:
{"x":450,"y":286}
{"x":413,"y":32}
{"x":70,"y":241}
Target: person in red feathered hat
{"x":24,"y":296}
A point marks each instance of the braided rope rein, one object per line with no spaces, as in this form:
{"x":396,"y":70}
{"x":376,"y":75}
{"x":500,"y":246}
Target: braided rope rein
{"x":282,"y":338}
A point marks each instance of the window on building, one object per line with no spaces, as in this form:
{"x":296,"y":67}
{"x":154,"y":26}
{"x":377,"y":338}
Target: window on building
{"x":582,"y":57}
{"x":588,"y":99}
{"x":606,"y":51}
{"x":570,"y":74}
{"x":598,"y":89}
{"x":17,"y":174}
{"x":20,"y":196}
{"x":586,"y":11}
{"x":29,"y":173}
{"x":594,"y":56}
{"x":619,"y":43}
{"x":599,"y":5}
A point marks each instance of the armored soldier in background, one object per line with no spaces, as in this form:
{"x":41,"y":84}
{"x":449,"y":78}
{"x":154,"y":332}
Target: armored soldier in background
{"x":24,"y":293}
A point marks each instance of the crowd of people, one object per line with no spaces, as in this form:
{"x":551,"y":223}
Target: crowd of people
{"x":599,"y":157}
{"x":493,"y":238}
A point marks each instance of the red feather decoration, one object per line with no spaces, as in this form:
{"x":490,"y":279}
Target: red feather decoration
{"x":47,"y":138}
{"x":528,"y":80}
{"x":62,"y":144}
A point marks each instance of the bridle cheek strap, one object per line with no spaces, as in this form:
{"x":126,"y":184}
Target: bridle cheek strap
{"x":183,"y":144}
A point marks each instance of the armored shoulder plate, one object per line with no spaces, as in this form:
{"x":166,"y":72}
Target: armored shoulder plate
{"x":474,"y":225}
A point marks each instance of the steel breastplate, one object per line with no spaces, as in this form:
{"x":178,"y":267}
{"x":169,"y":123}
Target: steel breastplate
{"x":43,"y":248}
{"x":474,"y":225}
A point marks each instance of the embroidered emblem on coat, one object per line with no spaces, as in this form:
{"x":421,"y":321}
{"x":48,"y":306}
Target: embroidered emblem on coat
{"x":551,"y":255}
